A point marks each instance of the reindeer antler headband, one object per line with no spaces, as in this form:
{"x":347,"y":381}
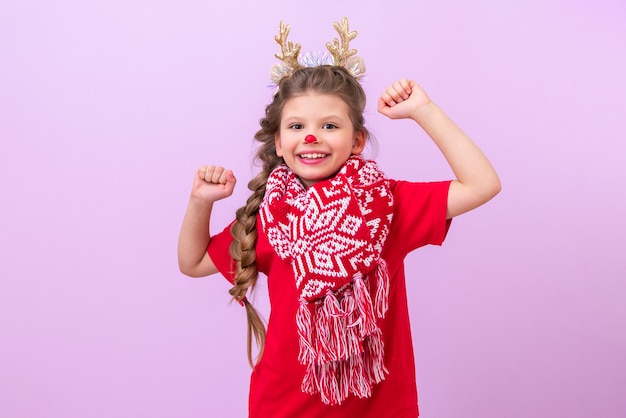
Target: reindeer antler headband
{"x":340,"y":54}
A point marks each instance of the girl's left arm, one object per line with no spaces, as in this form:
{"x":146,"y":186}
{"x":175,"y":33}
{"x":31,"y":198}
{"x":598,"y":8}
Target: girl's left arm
{"x":476,"y":180}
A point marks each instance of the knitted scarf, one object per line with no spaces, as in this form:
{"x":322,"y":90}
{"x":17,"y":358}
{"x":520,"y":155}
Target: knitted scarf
{"x":333,"y":234}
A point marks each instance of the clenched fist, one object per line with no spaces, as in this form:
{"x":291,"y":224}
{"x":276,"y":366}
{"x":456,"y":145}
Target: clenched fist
{"x":212,"y":183}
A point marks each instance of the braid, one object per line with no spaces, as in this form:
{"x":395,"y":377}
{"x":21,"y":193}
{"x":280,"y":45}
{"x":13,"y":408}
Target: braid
{"x":242,"y":249}
{"x":243,"y":246}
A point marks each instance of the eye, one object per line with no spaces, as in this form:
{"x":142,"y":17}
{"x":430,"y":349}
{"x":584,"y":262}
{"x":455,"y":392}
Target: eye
{"x":329,"y":126}
{"x":296,"y":126}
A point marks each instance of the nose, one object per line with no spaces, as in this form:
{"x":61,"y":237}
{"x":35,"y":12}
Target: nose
{"x":310,"y":139}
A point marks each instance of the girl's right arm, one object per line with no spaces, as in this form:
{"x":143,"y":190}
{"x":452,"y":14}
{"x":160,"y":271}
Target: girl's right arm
{"x":210,"y":184}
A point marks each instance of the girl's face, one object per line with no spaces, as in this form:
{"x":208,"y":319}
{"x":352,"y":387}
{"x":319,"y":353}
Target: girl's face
{"x":327,"y":118}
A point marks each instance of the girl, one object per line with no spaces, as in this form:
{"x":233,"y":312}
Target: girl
{"x":331,"y":232}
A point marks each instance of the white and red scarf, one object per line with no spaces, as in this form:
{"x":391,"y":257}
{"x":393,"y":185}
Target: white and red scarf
{"x":333,"y":234}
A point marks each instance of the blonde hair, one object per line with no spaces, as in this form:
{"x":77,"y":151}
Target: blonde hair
{"x":325,"y":79}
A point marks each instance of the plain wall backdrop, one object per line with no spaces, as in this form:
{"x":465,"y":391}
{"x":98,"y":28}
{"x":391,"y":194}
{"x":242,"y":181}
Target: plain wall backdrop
{"x":107,"y":108}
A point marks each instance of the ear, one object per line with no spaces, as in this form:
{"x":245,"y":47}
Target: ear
{"x":279,"y":150}
{"x":359,"y":142}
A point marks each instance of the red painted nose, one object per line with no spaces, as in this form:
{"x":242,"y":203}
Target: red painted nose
{"x":309,"y":139}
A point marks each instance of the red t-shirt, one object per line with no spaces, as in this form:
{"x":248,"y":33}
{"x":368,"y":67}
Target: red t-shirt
{"x":419,"y":219}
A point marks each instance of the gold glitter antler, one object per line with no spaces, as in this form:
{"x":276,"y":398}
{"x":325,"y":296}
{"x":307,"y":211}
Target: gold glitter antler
{"x":340,"y":54}
{"x":288,"y":51}
{"x":340,"y":51}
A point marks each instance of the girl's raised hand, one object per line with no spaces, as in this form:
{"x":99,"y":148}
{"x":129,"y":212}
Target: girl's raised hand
{"x":402,"y":99}
{"x":212,"y":183}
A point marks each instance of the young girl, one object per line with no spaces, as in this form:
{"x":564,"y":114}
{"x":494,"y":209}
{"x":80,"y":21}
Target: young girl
{"x":331,"y":232}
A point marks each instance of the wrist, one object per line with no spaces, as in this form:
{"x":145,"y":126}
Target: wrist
{"x":200,"y":202}
{"x":424,"y":112}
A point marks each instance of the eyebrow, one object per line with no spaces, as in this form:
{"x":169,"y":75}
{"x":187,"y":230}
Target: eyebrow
{"x":299,"y":118}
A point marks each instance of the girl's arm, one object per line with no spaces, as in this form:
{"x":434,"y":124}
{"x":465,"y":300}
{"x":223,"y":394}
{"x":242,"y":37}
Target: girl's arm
{"x":477,"y":181}
{"x":210,"y":184}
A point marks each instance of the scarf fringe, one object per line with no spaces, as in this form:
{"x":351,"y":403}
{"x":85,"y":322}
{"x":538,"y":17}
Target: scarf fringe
{"x":382,"y":288}
{"x":342,"y":348}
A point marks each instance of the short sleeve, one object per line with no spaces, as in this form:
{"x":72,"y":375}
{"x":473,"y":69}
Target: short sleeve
{"x":419,"y":214}
{"x":219,"y":251}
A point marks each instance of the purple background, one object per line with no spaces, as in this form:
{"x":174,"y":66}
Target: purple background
{"x":106,"y":109}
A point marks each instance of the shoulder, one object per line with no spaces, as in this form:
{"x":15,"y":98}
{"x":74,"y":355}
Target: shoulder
{"x":219,"y":252}
{"x":423,"y":193}
{"x":419,"y":214}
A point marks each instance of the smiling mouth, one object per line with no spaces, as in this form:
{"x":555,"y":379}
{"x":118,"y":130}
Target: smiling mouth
{"x":312,"y":156}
